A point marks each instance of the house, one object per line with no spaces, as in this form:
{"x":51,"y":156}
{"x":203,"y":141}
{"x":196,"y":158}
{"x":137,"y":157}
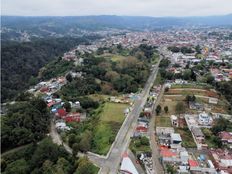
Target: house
{"x":141,"y":129}
{"x":61,"y":113}
{"x":213,"y":100}
{"x":199,"y":136}
{"x":175,"y":141}
{"x":222,"y":160}
{"x":226,"y":137}
{"x":72,"y":117}
{"x":193,"y":163}
{"x":175,"y":138}
{"x":44,"y":89}
{"x":169,"y":155}
{"x":143,"y":119}
{"x":62,"y":126}
{"x":174,"y":121}
{"x":184,"y":156}
{"x":205,"y":119}
{"x":147,"y":111}
{"x":127,"y":166}
{"x":164,"y":131}
{"x":196,"y":106}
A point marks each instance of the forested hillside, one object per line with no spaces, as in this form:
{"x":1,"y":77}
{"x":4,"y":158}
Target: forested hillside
{"x":25,"y":122}
{"x":22,"y":61}
{"x":45,"y":158}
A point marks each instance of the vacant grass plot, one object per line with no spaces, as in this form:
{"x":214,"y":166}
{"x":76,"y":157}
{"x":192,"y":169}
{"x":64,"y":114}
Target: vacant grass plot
{"x":192,"y":85}
{"x":114,"y":57}
{"x":113,"y":112}
{"x":202,"y":96}
{"x":187,"y":139}
{"x":187,"y":91}
{"x":111,"y":119}
{"x":163,"y":121}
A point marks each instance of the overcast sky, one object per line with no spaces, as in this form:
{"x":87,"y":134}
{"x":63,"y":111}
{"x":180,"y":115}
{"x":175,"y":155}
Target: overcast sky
{"x":116,"y":7}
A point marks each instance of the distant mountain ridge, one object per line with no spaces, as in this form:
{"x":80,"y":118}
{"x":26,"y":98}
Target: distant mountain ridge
{"x":20,"y":26}
{"x":117,"y":21}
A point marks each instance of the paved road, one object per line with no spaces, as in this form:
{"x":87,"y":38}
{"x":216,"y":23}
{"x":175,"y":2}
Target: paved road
{"x":110,"y":164}
{"x":112,"y":161}
{"x":157,"y":167}
{"x":57,"y":139}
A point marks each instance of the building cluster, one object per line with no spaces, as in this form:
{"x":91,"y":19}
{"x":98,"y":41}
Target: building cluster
{"x":48,"y":87}
{"x":47,"y":90}
{"x":199,"y":160}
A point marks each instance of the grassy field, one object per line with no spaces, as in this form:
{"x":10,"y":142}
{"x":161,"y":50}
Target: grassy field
{"x":99,"y":97}
{"x":197,"y":86}
{"x":113,"y":112}
{"x":111,"y":119}
{"x":179,"y":94}
{"x":163,"y":121}
{"x":158,"y":79}
{"x":187,"y":139}
{"x":187,"y":91}
{"x":114,"y":57}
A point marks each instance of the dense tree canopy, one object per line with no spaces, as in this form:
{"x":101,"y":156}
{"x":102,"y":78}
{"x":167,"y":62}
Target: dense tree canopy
{"x":21,"y":61}
{"x":45,"y":158}
{"x":25,"y":122}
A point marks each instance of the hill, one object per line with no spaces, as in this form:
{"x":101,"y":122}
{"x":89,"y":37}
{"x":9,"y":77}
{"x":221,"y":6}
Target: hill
{"x":37,"y":27}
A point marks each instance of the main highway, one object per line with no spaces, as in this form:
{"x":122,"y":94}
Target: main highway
{"x":111,"y":163}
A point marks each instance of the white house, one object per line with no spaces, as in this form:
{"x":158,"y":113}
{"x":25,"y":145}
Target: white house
{"x":205,"y":119}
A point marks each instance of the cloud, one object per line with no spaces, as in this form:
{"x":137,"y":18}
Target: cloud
{"x":116,"y":7}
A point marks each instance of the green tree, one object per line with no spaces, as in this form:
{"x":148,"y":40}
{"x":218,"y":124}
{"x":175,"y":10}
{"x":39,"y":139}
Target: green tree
{"x":71,"y":139}
{"x":85,"y":167}
{"x":217,"y":141}
{"x":158,"y":109}
{"x":198,"y":49}
{"x":209,"y":78}
{"x":69,"y":77}
{"x":171,"y":169}
{"x":180,"y":108}
{"x":62,"y":166}
{"x":19,"y":166}
{"x":67,"y":106}
{"x":221,"y":124}
{"x":144,"y":141}
{"x":187,"y":74}
{"x":45,"y":150}
{"x":23,"y":96}
{"x":166,"y":89}
{"x":33,"y":80}
{"x":75,"y":148}
{"x":47,"y":167}
{"x":166,"y":109}
{"x":85,"y":143}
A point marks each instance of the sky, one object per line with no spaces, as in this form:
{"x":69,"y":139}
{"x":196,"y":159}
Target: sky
{"x":154,"y":8}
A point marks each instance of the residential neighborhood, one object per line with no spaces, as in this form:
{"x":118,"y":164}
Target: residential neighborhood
{"x":149,"y":102}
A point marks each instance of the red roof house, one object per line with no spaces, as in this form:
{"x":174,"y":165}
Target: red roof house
{"x":61,"y":112}
{"x":44,"y":89}
{"x":193,"y":163}
{"x":141,"y":129}
{"x":73,"y":117}
{"x":167,"y":153}
{"x":226,"y":137}
{"x":51,"y":104}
